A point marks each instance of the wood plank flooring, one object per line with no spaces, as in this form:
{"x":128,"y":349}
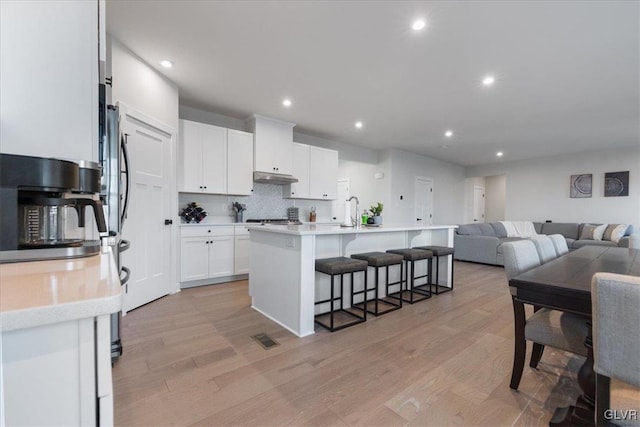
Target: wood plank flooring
{"x":189,"y":359}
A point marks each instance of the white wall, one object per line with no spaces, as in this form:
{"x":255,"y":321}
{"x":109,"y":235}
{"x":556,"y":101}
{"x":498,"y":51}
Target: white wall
{"x":538,"y":189}
{"x":49,"y":78}
{"x":495,"y":192}
{"x":448,"y":188}
{"x":142,"y":88}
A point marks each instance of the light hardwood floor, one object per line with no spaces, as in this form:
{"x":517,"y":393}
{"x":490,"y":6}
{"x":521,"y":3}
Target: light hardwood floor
{"x":189,"y":360}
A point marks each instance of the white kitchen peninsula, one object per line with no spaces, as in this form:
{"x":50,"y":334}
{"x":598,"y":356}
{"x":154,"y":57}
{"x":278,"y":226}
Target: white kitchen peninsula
{"x":282,"y":279}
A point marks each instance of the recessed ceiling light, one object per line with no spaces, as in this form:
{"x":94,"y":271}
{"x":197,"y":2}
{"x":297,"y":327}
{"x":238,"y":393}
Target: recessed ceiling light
{"x":488,"y":80}
{"x":359,"y":125}
{"x":448,"y":133}
{"x":418,"y":24}
{"x":286,"y":102}
{"x":499,"y":154}
{"x":166,"y":63}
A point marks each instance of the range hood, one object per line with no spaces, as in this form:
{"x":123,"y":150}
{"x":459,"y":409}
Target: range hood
{"x":273,"y":178}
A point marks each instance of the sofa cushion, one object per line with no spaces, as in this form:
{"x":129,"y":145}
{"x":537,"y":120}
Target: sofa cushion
{"x":538,"y":227}
{"x":568,"y":229}
{"x":570,"y":242}
{"x":585,"y":242}
{"x":487,"y":229}
{"x":499,"y":229}
{"x":469,"y":230}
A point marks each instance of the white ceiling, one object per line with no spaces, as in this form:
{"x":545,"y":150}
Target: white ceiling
{"x":567,"y":72}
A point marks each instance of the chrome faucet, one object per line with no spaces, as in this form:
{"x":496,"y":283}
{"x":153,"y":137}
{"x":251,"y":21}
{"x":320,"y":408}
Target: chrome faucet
{"x":355,"y":221}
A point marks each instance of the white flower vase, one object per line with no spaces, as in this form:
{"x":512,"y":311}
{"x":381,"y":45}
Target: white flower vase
{"x":377,"y":219}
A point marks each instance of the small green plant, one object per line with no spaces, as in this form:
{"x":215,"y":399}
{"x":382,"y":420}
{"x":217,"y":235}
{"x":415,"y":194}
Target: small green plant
{"x":376,"y":210}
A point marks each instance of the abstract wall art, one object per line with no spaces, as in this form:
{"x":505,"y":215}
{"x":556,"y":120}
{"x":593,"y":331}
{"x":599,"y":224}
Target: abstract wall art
{"x":581,"y":186}
{"x":616,"y":184}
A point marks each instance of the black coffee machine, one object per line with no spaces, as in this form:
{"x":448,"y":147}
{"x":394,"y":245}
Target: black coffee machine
{"x":43,"y":208}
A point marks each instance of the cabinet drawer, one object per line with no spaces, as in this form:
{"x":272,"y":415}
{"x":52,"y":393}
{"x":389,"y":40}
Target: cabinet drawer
{"x":241,"y":230}
{"x":203,"y":231}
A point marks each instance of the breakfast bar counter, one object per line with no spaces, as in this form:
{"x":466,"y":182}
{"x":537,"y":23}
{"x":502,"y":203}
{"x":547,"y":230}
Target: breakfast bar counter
{"x":282,"y":278}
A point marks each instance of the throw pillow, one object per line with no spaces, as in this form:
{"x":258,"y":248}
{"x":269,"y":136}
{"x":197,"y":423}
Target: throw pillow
{"x":587,"y":232}
{"x":599,"y":231}
{"x":614,"y":232}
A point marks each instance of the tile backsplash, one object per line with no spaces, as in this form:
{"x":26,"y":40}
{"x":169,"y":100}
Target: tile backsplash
{"x":265,"y":202}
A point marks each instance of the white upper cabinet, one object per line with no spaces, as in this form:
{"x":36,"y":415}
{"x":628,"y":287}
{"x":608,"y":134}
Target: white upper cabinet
{"x":323,"y":171}
{"x":239,"y":162}
{"x":204,"y":158}
{"x":316,"y":169}
{"x":273,"y":145}
{"x":215,"y":160}
{"x":300,"y":189}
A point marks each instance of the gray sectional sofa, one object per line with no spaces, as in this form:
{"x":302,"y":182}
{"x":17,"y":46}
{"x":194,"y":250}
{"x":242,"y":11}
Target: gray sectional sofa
{"x":481,"y":242}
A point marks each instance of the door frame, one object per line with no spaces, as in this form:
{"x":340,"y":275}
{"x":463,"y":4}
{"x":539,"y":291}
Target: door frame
{"x":424,"y":178}
{"x":128,"y":111}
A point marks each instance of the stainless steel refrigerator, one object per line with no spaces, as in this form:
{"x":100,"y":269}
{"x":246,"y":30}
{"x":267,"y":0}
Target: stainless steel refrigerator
{"x":115,"y":195}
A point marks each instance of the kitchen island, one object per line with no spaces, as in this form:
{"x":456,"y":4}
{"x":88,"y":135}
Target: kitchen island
{"x":282,"y":280}
{"x":56,"y":341}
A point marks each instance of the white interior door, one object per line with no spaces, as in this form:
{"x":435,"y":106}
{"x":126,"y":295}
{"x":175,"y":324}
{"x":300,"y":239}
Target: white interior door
{"x":338,"y":205}
{"x":149,"y":205}
{"x":424,"y":200}
{"x":478,"y":204}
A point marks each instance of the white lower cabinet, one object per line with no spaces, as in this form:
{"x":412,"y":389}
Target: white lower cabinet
{"x":58,"y":374}
{"x":241,"y":251}
{"x":208,"y":252}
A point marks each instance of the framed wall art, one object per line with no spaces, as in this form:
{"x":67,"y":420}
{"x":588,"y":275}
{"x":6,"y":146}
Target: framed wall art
{"x":616,"y":184}
{"x":581,"y":186}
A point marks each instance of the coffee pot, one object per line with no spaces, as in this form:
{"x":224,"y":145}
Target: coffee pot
{"x":43,"y":208}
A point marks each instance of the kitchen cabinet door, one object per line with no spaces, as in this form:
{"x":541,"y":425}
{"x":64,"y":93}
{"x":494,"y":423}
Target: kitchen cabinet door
{"x":300,"y":189}
{"x":323,"y":169}
{"x":239,"y":162}
{"x":241,"y":256}
{"x":221,"y":255}
{"x":194,"y":258}
{"x":214,"y":159}
{"x":283,"y":158}
{"x":191,"y":147}
{"x":273,"y":145}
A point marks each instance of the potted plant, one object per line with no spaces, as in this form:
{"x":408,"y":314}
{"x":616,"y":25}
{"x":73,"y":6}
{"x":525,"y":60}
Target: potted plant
{"x":376,"y":210}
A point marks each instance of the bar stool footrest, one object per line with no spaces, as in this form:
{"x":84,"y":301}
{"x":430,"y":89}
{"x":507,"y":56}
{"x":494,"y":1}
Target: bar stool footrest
{"x":343,"y":318}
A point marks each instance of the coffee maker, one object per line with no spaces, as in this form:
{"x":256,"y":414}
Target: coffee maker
{"x":43,"y":208}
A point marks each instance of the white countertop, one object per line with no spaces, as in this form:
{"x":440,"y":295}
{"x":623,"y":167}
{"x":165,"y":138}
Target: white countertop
{"x":42,"y":292}
{"x":320,"y":229}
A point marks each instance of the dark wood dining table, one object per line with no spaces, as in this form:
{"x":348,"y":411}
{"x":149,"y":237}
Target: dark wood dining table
{"x":565,"y":284}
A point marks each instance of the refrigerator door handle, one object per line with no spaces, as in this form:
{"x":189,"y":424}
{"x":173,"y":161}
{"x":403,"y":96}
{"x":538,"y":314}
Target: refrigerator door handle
{"x":127,"y":272}
{"x":125,"y":155}
{"x":123,"y":245}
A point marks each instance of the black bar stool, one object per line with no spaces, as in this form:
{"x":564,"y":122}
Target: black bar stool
{"x":439,"y":251}
{"x":334,"y":267}
{"x":416,"y":292}
{"x":378,"y":260}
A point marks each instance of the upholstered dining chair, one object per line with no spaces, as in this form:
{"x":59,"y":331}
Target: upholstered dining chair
{"x":616,"y":347}
{"x":545,"y":327}
{"x":560,"y":244}
{"x":544,"y":246}
{"x":634,"y":241}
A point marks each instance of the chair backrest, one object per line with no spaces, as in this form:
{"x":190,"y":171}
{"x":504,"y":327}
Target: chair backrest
{"x":545,"y":248}
{"x":519,"y":256}
{"x":616,"y":316}
{"x":634,"y":241}
{"x":560,"y":244}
